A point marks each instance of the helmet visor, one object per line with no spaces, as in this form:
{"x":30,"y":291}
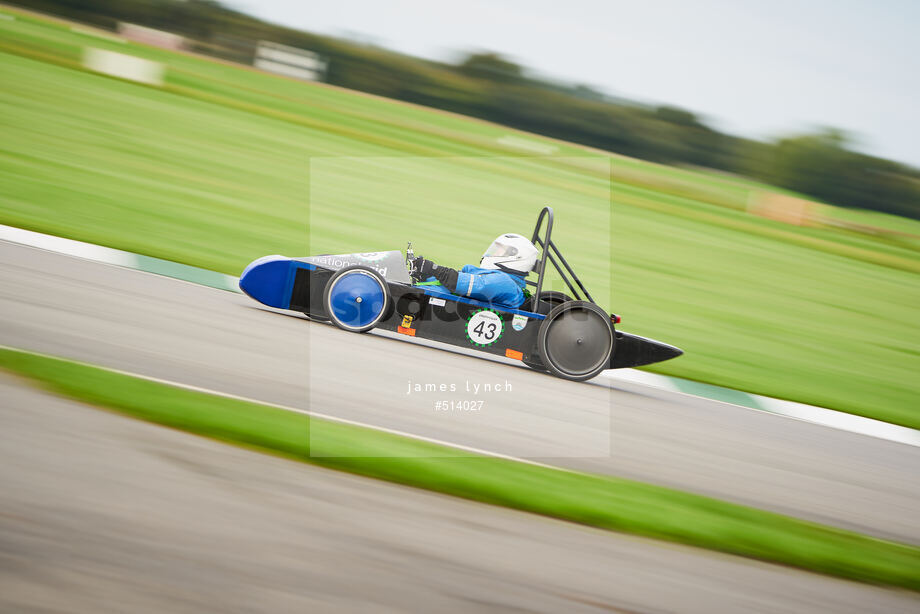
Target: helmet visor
{"x":501,"y":250}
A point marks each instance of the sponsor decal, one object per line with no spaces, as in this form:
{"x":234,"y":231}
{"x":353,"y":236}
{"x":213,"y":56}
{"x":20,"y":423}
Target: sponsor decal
{"x":518,"y":322}
{"x":389,"y":264}
{"x":514,"y":354}
{"x":340,"y":262}
{"x":372,"y":256}
{"x":405,"y":331}
{"x":437,"y":302}
{"x":484,"y":327}
{"x":407,"y":321}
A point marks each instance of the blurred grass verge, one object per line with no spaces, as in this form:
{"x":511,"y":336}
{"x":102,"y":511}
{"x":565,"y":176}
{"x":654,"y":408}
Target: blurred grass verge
{"x":597,"y":501}
{"x":212,"y":170}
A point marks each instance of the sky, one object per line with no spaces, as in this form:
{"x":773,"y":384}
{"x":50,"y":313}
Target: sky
{"x":761,"y":69}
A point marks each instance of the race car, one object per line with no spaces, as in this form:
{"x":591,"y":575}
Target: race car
{"x":569,"y":336}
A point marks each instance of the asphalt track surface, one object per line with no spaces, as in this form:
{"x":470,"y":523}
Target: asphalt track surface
{"x":102,"y":513}
{"x":199,"y":336}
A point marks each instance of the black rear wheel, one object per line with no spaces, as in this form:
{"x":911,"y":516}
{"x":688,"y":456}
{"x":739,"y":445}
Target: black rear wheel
{"x":552,"y":298}
{"x":576,"y":340}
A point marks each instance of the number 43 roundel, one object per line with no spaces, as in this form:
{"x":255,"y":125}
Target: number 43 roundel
{"x":484,"y":328}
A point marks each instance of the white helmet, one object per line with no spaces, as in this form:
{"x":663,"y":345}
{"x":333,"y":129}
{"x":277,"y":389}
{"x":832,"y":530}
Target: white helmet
{"x":512,"y":253}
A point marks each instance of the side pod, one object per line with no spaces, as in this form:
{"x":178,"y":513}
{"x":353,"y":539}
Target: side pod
{"x":635,"y":351}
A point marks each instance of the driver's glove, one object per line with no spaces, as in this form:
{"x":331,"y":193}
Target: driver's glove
{"x":422,"y":269}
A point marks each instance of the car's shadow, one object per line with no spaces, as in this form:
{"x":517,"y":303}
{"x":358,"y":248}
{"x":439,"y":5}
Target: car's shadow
{"x":435,"y":345}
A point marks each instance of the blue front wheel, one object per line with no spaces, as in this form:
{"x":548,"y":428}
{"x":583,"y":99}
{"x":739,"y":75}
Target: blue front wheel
{"x":356,"y":298}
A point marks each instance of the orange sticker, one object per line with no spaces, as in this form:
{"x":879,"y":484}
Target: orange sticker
{"x":514,"y":354}
{"x":405,"y":331}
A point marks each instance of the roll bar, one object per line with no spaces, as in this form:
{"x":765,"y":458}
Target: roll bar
{"x":551,"y":252}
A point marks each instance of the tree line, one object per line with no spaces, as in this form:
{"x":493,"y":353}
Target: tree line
{"x":822,"y":165}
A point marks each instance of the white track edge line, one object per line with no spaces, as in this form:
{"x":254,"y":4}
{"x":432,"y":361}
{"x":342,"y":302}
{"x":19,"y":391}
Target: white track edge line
{"x":297,"y":410}
{"x":800,"y":412}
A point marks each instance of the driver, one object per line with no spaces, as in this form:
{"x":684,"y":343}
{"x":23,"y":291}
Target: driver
{"x":499,"y":278}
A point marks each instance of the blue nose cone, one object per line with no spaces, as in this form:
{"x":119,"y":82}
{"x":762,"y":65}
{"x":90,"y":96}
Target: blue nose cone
{"x":266,"y":280}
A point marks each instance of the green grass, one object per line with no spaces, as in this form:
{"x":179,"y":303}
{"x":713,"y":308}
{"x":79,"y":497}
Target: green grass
{"x":598,"y":501}
{"x":224,"y":165}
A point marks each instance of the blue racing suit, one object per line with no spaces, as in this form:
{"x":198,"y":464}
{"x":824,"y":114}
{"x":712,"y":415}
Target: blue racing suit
{"x":489,"y":285}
